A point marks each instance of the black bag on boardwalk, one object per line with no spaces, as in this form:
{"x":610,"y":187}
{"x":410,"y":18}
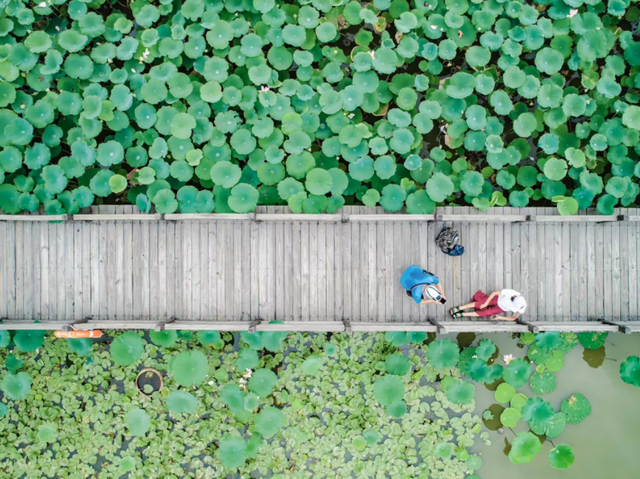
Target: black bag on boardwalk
{"x":447,"y":241}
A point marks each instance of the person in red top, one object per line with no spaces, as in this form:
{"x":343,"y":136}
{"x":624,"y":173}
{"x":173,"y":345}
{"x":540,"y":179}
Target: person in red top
{"x":495,"y":305}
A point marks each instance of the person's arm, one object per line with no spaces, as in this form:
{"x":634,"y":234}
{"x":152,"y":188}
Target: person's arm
{"x":439,"y":286}
{"x":428,"y":301}
{"x":491,"y":296}
{"x":507,"y":318}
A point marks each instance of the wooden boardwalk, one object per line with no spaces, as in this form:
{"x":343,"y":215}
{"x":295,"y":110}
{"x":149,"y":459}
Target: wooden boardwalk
{"x":310,"y":270}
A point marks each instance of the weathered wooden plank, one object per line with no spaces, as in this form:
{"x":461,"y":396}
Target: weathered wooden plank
{"x":499,"y":272}
{"x":4,"y":279}
{"x":432,"y":266}
{"x":576,"y":326}
{"x":296,"y":260}
{"x":60,"y":273}
{"x":354,"y":298}
{"x":305,"y":289}
{"x":525,"y":271}
{"x":608,"y":270}
{"x":599,"y":252}
{"x":254,"y":281}
{"x":278,"y":215}
{"x":153,"y":312}
{"x":43,"y":283}
{"x":29,"y":285}
{"x":212,"y":269}
{"x":33,"y":218}
{"x":363,"y":268}
{"x":616,"y":285}
{"x":231,"y":282}
{"x":480,"y":218}
{"x":136,"y":270}
{"x":208,"y":217}
{"x":187,"y":271}
{"x":279,"y":259}
{"x":390,"y":266}
{"x":96,"y":260}
{"x":221,"y":281}
{"x":591,"y":269}
{"x":566,"y":254}
{"x":576,"y":219}
{"x":583,"y":296}
{"x":18,"y":247}
{"x":69,"y":269}
{"x":313,"y":271}
{"x":623,"y":269}
{"x":118,"y":262}
{"x":414,"y":245}
{"x":117,"y":213}
{"x":338,"y":274}
{"x":127,"y":264}
{"x":482,"y":248}
{"x":632,"y":235}
{"x":245,"y":244}
{"x":483,"y":327}
{"x":172,"y":284}
{"x":553,"y":283}
{"x":322,"y":272}
{"x":239,"y":257}
{"x":78,"y":292}
{"x":516,"y":256}
{"x":365,"y":326}
{"x":161,"y":280}
{"x":362,"y":216}
{"x":372,"y":264}
{"x":145,"y":257}
{"x":330,"y":236}
{"x":402,"y":230}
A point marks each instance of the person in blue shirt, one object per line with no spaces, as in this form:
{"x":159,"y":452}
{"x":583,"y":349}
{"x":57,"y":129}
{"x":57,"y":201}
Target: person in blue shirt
{"x":420,"y":285}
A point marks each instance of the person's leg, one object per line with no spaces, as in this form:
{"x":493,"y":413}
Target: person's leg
{"x":467,"y":306}
{"x":471,"y":314}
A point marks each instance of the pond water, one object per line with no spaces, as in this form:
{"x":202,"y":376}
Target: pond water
{"x":606,"y":444}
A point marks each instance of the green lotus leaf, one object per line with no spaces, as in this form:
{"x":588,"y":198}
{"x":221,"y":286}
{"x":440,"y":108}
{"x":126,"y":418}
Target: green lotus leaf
{"x":555,"y":169}
{"x":269,"y":421}
{"x":525,"y":125}
{"x":72,"y":41}
{"x":189,"y":368}
{"x":210,"y":338}
{"x":461,"y":85}
{"x":166,"y":338}
{"x":477,"y":369}
{"x":29,"y":340}
{"x":397,"y":409}
{"x":459,"y":392}
{"x":388,"y":390}
{"x":127,"y":348}
{"x":555,"y":427}
{"x":549,"y":61}
{"x":326,"y":32}
{"x":80,"y":346}
{"x":504,"y":393}
{"x":524,"y":448}
{"x":233,"y":397}
{"x":631,"y":117}
{"x":182,"y":402}
{"x":561,"y":457}
{"x":393,"y":197}
{"x":311,"y":365}
{"x":362,"y":170}
{"x":439,"y":186}
{"x":548,"y":340}
{"x":443,"y":353}
{"x":247,"y":359}
{"x":272,"y":340}
{"x":319,"y":181}
{"x":397,"y":338}
{"x":419,"y":202}
{"x":294,"y":35}
{"x":568,"y":206}
{"x":251,"y":402}
{"x":385,"y":60}
{"x":110,"y":153}
{"x":5,"y":338}
{"x":510,"y":417}
{"x":138,"y":422}
{"x":576,"y":408}
{"x":232,"y":452}
{"x":592,"y":340}
{"x":243,"y":199}
{"x":225,"y":174}
{"x":397,"y":364}
{"x":630,"y":371}
{"x":471,"y":183}
{"x":262,"y":382}
{"x":16,"y":386}
{"x":544,"y":382}
{"x":517,"y":373}
{"x":165,"y":201}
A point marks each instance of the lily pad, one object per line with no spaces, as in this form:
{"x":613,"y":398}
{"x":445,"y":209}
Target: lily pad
{"x":517,"y":373}
{"x":232,"y":452}
{"x":269,"y":421}
{"x":397,"y":364}
{"x":262,"y":382}
{"x":443,"y":353}
{"x":182,"y":402}
{"x":561,"y":457}
{"x":388,"y":390}
{"x":189,"y":368}
{"x":630,"y":371}
{"x":138,"y":422}
{"x":524,"y":448}
{"x":576,"y":408}
{"x":127,"y":348}
{"x":544,"y":382}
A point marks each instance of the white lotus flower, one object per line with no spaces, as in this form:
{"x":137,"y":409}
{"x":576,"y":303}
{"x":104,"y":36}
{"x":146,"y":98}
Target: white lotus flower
{"x":264,"y":88}
{"x":508,"y":358}
{"x":572,"y":13}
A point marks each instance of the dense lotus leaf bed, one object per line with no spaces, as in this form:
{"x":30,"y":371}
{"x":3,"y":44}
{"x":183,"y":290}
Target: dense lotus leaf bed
{"x":202,"y":106}
{"x":313,"y":408}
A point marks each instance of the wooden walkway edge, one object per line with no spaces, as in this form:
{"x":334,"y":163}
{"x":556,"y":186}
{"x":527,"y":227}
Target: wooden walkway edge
{"x":117,"y":268}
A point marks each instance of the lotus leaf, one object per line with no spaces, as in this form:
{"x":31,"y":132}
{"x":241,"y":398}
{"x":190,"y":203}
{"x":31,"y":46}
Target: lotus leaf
{"x":233,"y":397}
{"x":459,"y":392}
{"x":189,"y":368}
{"x":504,"y":393}
{"x":312,"y":364}
{"x":80,"y":346}
{"x":561,"y":457}
{"x":247,"y":359}
{"x":592,"y":340}
{"x":548,"y":340}
{"x":262,"y":382}
{"x":29,"y":340}
{"x":269,"y":421}
{"x":524,"y":448}
{"x":182,"y":402}
{"x":510,"y":417}
{"x":544,"y":382}
{"x":397,"y":364}
{"x":397,"y":409}
{"x":397,"y":338}
{"x":127,"y":348}
{"x":16,"y":386}
{"x":630,"y":371}
{"x":232,"y":452}
{"x":138,"y":422}
{"x":485,"y":349}
{"x":517,"y":373}
{"x":443,"y":353}
{"x":576,"y":408}
{"x":388,"y":390}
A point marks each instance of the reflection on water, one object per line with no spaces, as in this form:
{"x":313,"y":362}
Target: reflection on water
{"x":606,"y":444}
